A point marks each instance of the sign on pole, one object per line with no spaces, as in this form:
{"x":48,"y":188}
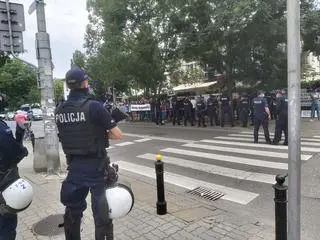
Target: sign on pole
{"x":17,"y":17}
{"x":17,"y":42}
{"x":12,"y":24}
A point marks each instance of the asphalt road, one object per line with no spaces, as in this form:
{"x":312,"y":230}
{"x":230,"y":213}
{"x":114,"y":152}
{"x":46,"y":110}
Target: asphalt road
{"x":221,"y":159}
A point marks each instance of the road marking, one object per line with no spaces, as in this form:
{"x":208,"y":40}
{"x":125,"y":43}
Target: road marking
{"x":111,"y":147}
{"x":248,"y":135}
{"x":261,"y":133}
{"x":250,"y":140}
{"x":143,"y":140}
{"x":304,"y":149}
{"x":124,"y":144}
{"x":245,"y":151}
{"x":316,"y":136}
{"x":214,"y":169}
{"x":231,"y":194}
{"x":251,"y":137}
{"x":226,"y":158}
{"x":159,"y":138}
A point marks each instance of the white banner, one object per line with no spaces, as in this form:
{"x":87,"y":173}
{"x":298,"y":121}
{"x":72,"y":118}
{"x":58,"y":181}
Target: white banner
{"x":140,"y":107}
{"x":307,"y":114}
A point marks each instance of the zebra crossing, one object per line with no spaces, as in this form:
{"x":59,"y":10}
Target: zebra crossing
{"x":234,"y":158}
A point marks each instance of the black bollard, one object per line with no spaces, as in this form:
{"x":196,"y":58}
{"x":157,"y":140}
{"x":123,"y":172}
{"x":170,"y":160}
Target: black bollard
{"x":161,"y":203}
{"x":280,"y":201}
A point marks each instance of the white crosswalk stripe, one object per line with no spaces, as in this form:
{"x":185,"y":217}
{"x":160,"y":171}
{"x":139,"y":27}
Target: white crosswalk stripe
{"x":231,"y":194}
{"x":227,"y":158}
{"x":306,"y":142}
{"x":245,"y":151}
{"x":306,"y":149}
{"x":215,"y":169}
{"x":227,"y":164}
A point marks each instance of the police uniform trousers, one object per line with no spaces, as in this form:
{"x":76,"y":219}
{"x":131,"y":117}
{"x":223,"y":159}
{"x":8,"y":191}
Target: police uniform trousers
{"x":85,"y":174}
{"x":8,"y":225}
{"x":201,"y":118}
{"x":176,"y":116}
{"x":244,"y":117}
{"x":281,"y":125}
{"x":188,"y":117}
{"x":224,"y":112}
{"x":212,"y":114}
{"x":265,"y":124}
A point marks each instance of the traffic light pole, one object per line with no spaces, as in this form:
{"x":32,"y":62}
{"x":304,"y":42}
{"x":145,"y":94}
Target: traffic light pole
{"x":47,"y":92}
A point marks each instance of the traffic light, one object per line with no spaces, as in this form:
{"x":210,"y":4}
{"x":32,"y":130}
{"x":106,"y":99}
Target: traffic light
{"x":13,"y":23}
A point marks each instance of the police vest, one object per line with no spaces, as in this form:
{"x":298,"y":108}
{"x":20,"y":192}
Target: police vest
{"x":211,"y":104}
{"x":224,"y":102}
{"x":244,"y":103}
{"x":258,"y":107}
{"x":200,"y":105}
{"x":77,"y":134}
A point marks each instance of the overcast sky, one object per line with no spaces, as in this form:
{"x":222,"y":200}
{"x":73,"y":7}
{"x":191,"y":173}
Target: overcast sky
{"x":66,"y":24}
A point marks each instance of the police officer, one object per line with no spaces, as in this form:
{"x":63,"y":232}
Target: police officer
{"x":187,"y":111}
{"x":212,"y":106}
{"x":11,"y":153}
{"x":244,"y":111}
{"x":175,"y":111}
{"x":261,"y":116}
{"x":84,"y":129}
{"x":251,"y":114}
{"x":225,"y":109}
{"x":201,"y":111}
{"x":281,"y":118}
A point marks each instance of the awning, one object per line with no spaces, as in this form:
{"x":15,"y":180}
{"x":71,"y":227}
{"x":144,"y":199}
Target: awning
{"x":184,"y":87}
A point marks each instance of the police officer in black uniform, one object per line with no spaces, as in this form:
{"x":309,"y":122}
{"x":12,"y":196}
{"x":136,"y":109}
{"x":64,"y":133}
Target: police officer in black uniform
{"x":201,"y":112}
{"x":187,"y":111}
{"x":84,"y":129}
{"x":226,"y":109}
{"x":11,"y":153}
{"x":212,"y":107}
{"x":281,"y":118}
{"x":261,"y":116}
{"x":244,"y":111}
{"x":175,"y":111}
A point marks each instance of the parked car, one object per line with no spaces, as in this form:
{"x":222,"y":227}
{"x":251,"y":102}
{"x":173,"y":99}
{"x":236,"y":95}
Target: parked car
{"x":36,"y":114}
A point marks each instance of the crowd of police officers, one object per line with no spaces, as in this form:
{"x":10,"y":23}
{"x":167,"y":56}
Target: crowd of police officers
{"x":258,"y":108}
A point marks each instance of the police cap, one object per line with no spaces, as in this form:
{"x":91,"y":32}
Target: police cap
{"x":75,"y":75}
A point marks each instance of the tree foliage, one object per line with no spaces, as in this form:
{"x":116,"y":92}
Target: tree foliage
{"x":134,"y":43}
{"x":58,"y":89}
{"x":18,"y":82}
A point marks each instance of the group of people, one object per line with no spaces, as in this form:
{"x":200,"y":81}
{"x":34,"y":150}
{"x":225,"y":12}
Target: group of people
{"x":85,"y":127}
{"x":217,"y":108}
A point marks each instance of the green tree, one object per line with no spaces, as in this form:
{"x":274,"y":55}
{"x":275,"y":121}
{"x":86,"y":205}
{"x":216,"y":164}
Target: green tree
{"x":18,"y":82}
{"x":58,"y":85}
{"x":78,"y":59}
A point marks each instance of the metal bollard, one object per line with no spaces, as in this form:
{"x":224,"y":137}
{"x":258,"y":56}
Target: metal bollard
{"x":280,"y":201}
{"x":161,"y":203}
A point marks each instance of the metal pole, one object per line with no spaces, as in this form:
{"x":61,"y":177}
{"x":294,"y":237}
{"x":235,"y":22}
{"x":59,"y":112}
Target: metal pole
{"x":9,"y":24}
{"x":280,"y":200}
{"x":47,"y":94}
{"x":161,"y":202}
{"x":293,"y":51}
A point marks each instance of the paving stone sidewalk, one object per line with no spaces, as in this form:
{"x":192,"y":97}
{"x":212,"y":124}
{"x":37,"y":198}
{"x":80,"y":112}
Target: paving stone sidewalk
{"x":187,"y":218}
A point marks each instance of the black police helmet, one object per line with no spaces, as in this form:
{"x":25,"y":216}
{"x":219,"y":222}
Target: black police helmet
{"x":75,"y":75}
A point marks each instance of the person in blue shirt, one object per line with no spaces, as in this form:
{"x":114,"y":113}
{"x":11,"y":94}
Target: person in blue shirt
{"x":261,"y":117}
{"x":11,"y":153}
{"x":84,"y":129}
